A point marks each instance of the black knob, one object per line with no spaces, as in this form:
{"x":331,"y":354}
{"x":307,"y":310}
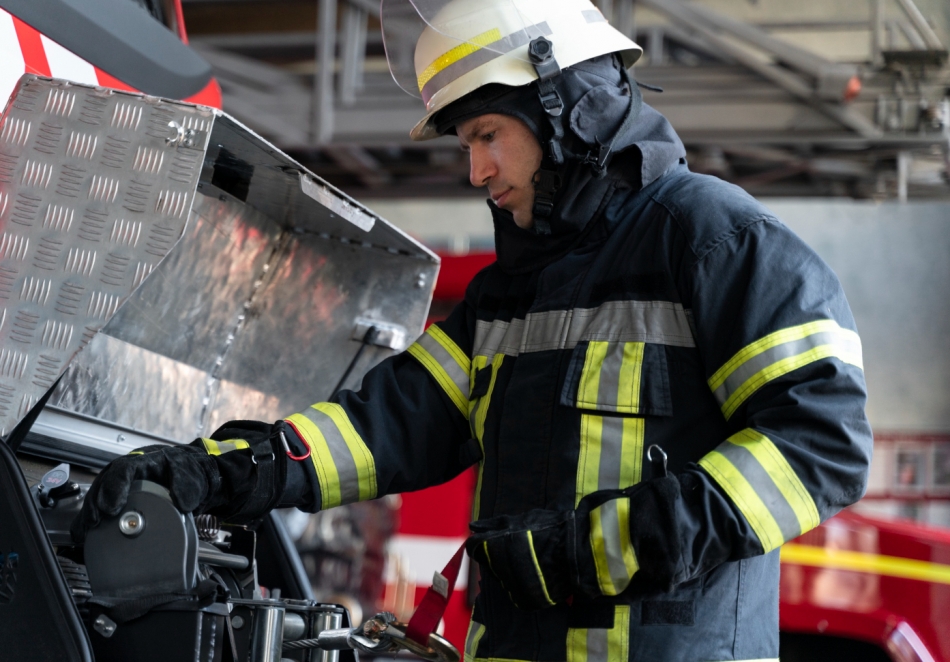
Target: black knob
{"x":540,"y":50}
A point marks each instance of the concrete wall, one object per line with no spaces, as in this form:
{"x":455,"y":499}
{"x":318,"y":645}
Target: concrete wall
{"x":894,"y":263}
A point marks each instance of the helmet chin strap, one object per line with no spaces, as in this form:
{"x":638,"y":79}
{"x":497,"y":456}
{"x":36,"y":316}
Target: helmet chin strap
{"x":547,"y":180}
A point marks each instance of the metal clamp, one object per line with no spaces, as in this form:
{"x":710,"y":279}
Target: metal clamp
{"x":182,"y":137}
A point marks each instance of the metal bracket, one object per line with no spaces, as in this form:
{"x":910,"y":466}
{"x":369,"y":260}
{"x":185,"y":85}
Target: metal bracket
{"x":179,"y":136}
{"x":391,"y":336}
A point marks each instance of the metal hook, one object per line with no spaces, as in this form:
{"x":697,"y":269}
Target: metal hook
{"x":658,"y":462}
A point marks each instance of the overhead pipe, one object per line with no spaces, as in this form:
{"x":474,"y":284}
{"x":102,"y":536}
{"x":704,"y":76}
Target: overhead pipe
{"x":834,"y":81}
{"x":787,"y":80}
{"x":921,"y":25}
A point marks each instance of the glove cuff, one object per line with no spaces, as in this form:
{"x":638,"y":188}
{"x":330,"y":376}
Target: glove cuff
{"x":270,"y":480}
{"x":627,"y":540}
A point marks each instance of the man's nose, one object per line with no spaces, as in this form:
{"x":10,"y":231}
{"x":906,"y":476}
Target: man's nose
{"x":481,"y":168}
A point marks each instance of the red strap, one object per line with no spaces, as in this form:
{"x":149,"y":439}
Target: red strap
{"x":430,"y":610}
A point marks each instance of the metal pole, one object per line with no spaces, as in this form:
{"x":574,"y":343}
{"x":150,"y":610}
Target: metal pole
{"x":353,"y":52}
{"x":877,"y":32}
{"x":920,"y":23}
{"x":903,"y":172}
{"x":323,"y":75}
{"x":625,"y":18}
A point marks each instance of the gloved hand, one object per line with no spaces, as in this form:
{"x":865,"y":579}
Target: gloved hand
{"x":543,"y":557}
{"x":239,"y":474}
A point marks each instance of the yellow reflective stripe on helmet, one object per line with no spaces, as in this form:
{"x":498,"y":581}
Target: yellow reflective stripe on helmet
{"x":475,"y":633}
{"x":537,"y":568}
{"x":614,"y":557}
{"x":218,"y":447}
{"x":763,"y":486}
{"x":453,"y":55}
{"x":600,"y":644}
{"x":611,"y":454}
{"x":778,"y":354}
{"x":610,"y":379}
{"x":447,"y":364}
{"x":345,"y":468}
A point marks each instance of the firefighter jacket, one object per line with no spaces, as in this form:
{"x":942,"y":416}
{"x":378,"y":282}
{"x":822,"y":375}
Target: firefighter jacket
{"x":686,"y":316}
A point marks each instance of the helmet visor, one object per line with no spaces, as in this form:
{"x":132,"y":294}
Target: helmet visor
{"x":431,"y":42}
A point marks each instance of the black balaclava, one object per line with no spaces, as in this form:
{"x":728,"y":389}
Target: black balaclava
{"x":596,"y":96}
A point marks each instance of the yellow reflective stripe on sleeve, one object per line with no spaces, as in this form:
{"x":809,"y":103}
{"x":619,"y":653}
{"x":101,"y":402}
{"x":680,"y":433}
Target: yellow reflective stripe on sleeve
{"x":475,"y":633}
{"x":611,"y":454}
{"x":778,"y":354}
{"x":601,"y":645}
{"x":447,"y":364}
{"x":763,"y":486}
{"x":614,"y":558}
{"x":782,"y":474}
{"x":346,"y":470}
{"x":218,"y":447}
{"x":876,"y":564}
{"x":747,"y":501}
{"x":452,"y":56}
{"x":327,"y":476}
{"x":537,"y":568}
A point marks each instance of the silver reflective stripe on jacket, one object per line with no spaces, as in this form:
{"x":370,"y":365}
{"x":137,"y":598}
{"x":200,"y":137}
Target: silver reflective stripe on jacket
{"x":658,"y":322}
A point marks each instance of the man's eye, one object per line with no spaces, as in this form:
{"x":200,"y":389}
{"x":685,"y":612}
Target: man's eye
{"x":488,"y":137}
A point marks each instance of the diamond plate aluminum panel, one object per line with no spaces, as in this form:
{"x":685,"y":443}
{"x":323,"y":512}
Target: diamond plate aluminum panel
{"x":206,"y":275}
{"x":88,"y":203}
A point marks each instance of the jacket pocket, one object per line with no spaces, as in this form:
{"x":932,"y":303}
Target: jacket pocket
{"x":618,"y":377}
{"x":614,"y":386}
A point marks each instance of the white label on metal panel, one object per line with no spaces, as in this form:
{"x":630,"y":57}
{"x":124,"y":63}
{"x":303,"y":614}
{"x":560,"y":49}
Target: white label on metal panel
{"x":67,"y":65}
{"x":10,"y":55}
{"x":342,"y":208}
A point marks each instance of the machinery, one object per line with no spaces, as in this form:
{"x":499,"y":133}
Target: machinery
{"x":165,"y":270}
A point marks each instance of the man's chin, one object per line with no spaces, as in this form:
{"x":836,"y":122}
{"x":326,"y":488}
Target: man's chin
{"x":523,"y":219}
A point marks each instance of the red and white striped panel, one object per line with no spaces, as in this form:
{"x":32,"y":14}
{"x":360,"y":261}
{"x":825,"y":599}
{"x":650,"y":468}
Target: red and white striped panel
{"x":25,"y":50}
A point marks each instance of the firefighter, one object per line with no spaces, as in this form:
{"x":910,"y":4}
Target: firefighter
{"x":659,"y":382}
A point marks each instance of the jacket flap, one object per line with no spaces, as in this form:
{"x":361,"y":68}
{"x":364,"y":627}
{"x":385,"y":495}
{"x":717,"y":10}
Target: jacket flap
{"x":618,"y":377}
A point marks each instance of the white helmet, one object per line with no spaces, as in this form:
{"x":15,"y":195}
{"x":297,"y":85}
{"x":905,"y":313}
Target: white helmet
{"x":461,"y":45}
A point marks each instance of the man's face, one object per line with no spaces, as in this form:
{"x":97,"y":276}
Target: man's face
{"x":504,"y":156}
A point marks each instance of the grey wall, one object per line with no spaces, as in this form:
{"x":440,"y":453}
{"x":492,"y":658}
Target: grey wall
{"x":894,"y":263}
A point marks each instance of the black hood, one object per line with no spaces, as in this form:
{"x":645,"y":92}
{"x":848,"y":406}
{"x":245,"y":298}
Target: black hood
{"x":596,"y":96}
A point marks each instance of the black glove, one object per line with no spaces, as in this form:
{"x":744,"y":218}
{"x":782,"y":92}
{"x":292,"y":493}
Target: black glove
{"x":543,"y":557}
{"x":239,"y":474}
